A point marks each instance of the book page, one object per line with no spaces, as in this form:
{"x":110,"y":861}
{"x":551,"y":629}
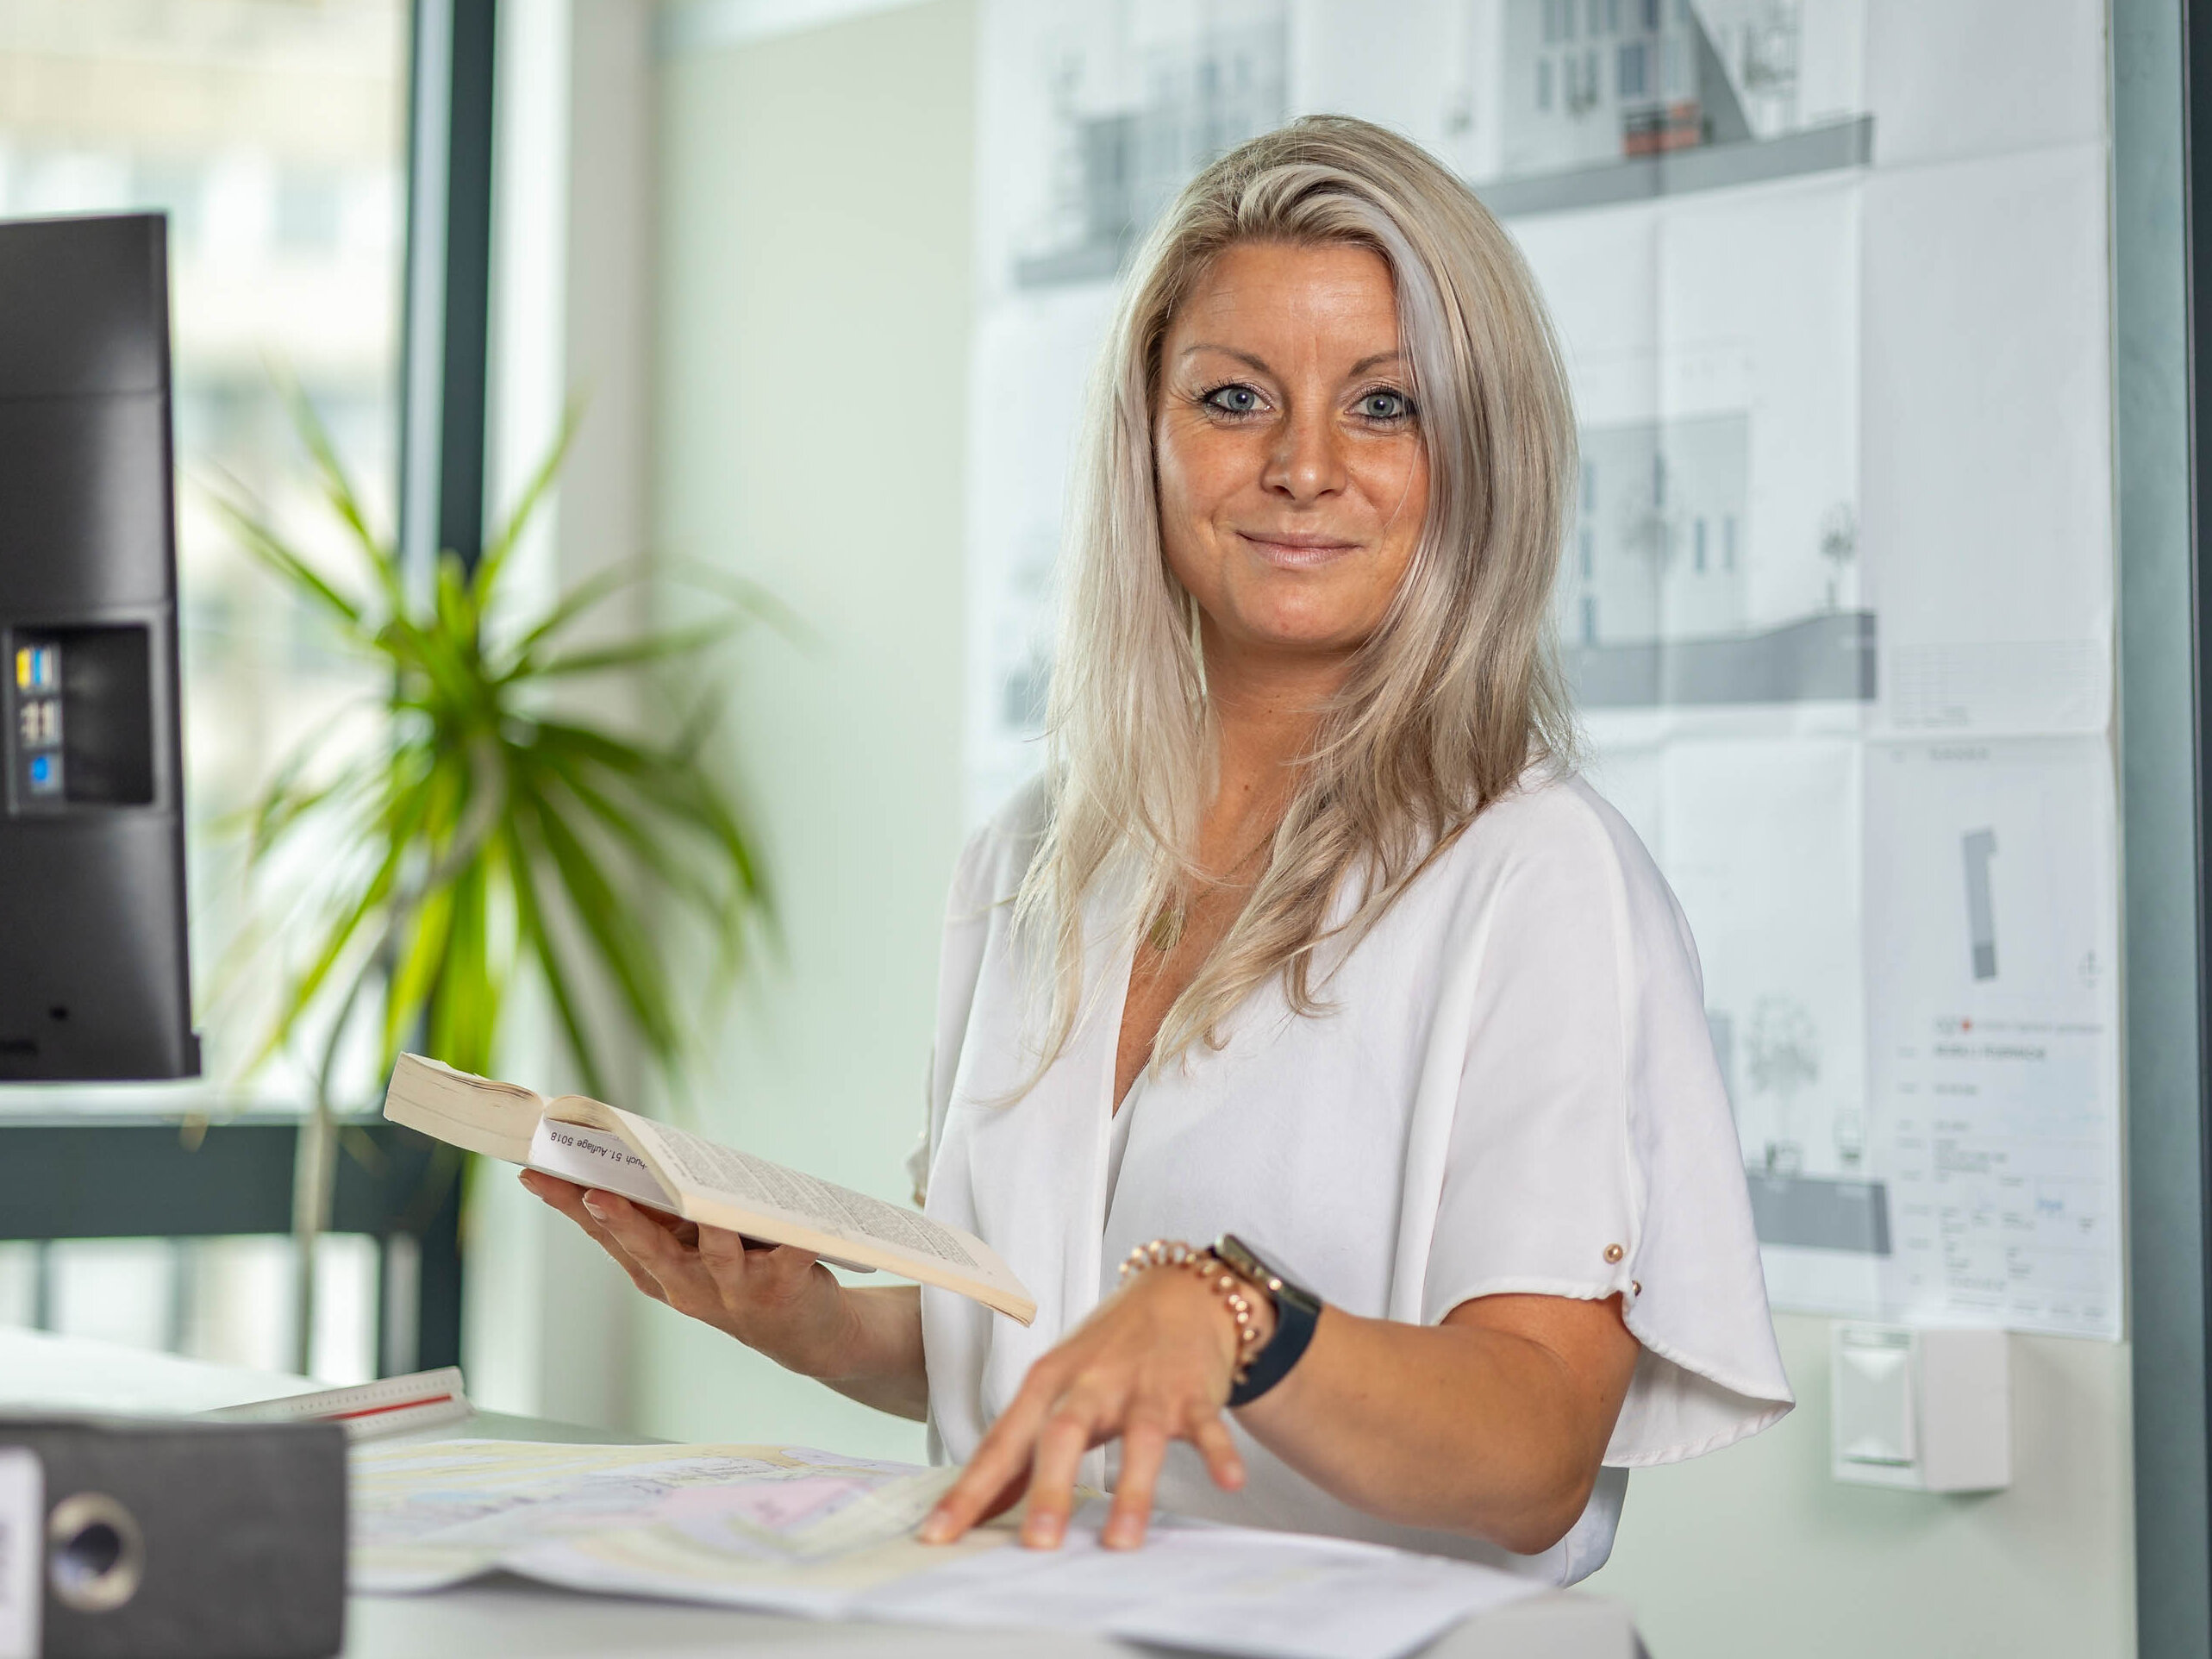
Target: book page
{"x":600,"y":1158}
{"x":771,"y":1200}
{"x":595,"y":1157}
{"x":594,"y":1144}
{"x":757,"y":1184}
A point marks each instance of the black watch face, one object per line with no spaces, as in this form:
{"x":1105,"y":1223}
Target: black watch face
{"x":1248,"y":1263}
{"x":1239,"y":1255}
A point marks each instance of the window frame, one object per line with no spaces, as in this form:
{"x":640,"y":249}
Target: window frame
{"x":2160,"y":98}
{"x":143,"y":1176}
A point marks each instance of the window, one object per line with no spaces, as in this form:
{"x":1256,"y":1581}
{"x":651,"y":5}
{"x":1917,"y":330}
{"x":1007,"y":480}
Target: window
{"x":1589,"y":620}
{"x":1543,"y":83}
{"x":1650,"y":14}
{"x":1589,"y":555}
{"x":1728,"y":542}
{"x":1632,"y":69}
{"x":1697,"y":546}
{"x":274,"y":136}
{"x":1552,"y":20}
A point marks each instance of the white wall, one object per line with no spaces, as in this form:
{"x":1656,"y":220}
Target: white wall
{"x":1755,"y":1553}
{"x":809,"y":418}
{"x":813,"y":308}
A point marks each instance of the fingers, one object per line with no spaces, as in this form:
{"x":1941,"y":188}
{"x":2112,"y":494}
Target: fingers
{"x":995,"y":1475}
{"x":733,"y":1256}
{"x":568,"y":1198}
{"x":670,"y":1261}
{"x":1144,"y":1448}
{"x":1058,"y":1460}
{"x":1149,"y":1366}
{"x":1218,"y":1447}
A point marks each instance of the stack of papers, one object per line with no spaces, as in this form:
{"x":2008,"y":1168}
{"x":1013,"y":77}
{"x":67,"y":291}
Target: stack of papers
{"x":791,"y":1529}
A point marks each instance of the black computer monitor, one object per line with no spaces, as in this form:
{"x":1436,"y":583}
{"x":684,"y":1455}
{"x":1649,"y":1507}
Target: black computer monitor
{"x":95,"y":982}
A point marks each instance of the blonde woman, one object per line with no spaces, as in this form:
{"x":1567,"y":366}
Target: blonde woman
{"x":1308,"y":982}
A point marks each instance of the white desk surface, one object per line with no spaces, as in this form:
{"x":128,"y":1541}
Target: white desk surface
{"x":505,"y":1616}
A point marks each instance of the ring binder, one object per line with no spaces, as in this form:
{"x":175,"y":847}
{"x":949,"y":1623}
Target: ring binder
{"x":175,"y":1539}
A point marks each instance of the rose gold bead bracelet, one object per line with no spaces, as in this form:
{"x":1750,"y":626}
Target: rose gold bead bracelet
{"x":1174,"y":1253}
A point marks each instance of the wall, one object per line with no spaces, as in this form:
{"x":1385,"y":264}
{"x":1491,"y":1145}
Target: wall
{"x":810,"y":415}
{"x":1755,"y":1553}
{"x":813,"y":313}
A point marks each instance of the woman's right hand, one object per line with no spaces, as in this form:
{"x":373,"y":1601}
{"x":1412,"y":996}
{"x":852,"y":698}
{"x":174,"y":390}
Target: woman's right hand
{"x":780,"y":1300}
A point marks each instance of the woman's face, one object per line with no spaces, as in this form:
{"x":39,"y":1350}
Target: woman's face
{"x":1292,"y":473}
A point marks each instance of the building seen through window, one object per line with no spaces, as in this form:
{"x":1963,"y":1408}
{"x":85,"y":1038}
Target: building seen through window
{"x":272,"y":132}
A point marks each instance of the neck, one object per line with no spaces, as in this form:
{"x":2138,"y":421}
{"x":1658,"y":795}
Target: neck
{"x":1267,"y":706}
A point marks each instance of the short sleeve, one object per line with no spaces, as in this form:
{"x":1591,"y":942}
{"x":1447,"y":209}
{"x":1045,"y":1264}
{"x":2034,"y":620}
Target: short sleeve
{"x":1592,"y":1151}
{"x":984,"y":881}
{"x":959,"y":964}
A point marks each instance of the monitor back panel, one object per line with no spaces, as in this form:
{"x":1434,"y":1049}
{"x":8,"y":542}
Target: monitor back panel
{"x":95,"y":982}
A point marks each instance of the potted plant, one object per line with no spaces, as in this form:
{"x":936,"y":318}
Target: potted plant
{"x":488,"y":832}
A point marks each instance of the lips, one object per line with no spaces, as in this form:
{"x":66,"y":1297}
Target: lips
{"x":1297,"y":552}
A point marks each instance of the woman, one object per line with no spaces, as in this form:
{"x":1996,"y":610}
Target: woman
{"x":1308,"y":936}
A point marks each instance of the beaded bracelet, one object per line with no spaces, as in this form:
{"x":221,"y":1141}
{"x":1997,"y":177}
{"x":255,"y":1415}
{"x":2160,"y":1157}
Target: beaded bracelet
{"x":1173,"y":1253}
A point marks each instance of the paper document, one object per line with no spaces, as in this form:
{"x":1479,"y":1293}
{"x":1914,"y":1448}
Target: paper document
{"x":431,"y":1515}
{"x":1220,"y":1589}
{"x":791,"y":1530}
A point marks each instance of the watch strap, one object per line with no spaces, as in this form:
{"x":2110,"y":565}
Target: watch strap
{"x":1297,"y":1311}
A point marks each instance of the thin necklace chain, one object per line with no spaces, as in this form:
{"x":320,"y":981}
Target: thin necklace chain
{"x":1166,"y":931}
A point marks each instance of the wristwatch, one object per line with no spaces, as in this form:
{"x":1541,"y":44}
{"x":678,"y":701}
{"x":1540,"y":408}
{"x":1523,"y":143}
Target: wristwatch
{"x":1297,"y":1309}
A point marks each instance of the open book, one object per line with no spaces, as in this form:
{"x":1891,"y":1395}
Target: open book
{"x":653,"y":1164}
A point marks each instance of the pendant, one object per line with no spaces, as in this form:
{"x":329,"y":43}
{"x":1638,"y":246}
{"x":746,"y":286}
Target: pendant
{"x":1167,"y":932}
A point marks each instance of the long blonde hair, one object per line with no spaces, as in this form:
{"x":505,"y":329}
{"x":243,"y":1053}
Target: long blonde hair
{"x":1456,"y":692}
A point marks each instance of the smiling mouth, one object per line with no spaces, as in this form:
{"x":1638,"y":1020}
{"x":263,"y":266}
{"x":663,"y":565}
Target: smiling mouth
{"x":1297,"y":552}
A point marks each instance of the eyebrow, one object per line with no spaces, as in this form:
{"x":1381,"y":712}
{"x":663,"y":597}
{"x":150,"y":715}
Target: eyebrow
{"x":1358,"y":368}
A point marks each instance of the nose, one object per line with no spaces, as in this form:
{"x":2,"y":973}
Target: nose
{"x":1306,"y":464}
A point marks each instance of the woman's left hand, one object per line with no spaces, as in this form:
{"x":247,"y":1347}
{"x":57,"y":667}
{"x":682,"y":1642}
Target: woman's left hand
{"x":1153,"y":1364}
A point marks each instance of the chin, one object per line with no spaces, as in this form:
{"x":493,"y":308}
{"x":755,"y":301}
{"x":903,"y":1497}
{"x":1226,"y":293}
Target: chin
{"x":1304,"y":634}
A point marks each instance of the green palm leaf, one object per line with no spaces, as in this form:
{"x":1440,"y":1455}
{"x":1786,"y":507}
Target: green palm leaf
{"x":484,"y":838}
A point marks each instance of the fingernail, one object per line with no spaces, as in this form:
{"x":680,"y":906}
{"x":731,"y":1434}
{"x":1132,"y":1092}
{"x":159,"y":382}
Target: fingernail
{"x":935,"y":1528}
{"x":1121,"y":1535}
{"x":1042,"y":1532}
{"x":599,"y":1209}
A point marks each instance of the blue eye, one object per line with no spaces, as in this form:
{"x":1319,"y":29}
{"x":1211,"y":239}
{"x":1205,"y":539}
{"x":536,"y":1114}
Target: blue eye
{"x":1385,"y":406}
{"x":1232,"y":399}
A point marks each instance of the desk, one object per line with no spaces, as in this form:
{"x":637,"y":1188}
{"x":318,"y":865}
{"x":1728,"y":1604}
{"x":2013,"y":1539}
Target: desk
{"x":500,"y":1616}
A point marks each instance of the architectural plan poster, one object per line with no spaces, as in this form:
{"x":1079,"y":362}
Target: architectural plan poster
{"x":1992,"y":1014}
{"x":1838,"y":598}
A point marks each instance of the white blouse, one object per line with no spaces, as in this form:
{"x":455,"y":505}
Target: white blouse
{"x":1515,"y":1090}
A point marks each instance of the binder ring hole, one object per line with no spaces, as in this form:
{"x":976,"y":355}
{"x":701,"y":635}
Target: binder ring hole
{"x":95,"y":1556}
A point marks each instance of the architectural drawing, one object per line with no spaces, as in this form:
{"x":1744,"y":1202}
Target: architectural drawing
{"x":1132,"y":115}
{"x":1801,"y":535}
{"x":1652,"y":595}
{"x":1608,"y":100}
{"x":1980,"y":847}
